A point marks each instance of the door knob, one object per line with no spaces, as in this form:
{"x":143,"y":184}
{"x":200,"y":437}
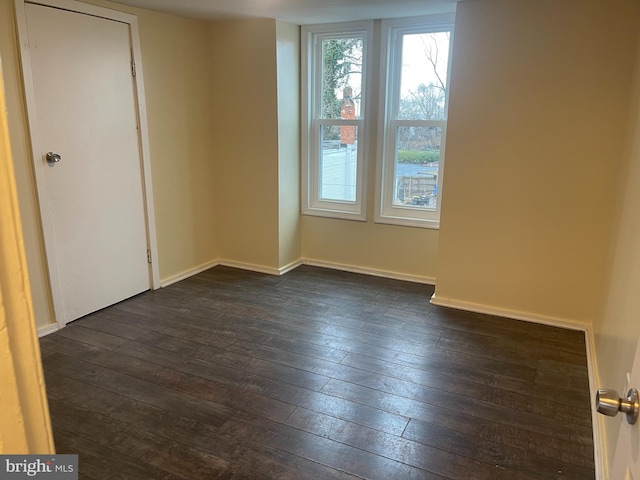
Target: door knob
{"x":609,"y":403}
{"x":53,"y":158}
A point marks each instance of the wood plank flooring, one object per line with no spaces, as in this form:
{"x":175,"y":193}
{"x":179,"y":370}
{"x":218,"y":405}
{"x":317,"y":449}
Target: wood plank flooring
{"x":318,"y":374}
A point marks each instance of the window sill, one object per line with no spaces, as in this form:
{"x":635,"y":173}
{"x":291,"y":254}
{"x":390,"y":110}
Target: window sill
{"x":408,"y":222}
{"x":316,"y":212}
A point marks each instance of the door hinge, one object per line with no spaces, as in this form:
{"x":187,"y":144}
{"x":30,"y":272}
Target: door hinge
{"x":148,"y":255}
{"x":133,"y":67}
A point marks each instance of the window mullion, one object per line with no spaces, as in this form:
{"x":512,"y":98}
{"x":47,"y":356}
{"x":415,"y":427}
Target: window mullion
{"x":337,"y":121}
{"x":417,"y":123}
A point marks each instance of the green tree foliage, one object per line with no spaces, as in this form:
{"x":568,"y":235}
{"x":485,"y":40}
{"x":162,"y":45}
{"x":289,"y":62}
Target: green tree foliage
{"x":341,"y":58}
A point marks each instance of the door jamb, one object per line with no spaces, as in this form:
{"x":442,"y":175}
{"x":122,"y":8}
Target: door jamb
{"x":143,"y":133}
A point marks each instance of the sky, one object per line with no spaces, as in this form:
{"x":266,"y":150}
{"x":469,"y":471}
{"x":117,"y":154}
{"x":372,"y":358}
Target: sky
{"x":416,"y":68}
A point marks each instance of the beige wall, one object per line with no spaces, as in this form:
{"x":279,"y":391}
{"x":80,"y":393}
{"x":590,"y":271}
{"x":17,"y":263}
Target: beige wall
{"x":245,"y":134}
{"x":617,"y":329}
{"x":288,"y":73}
{"x":177,"y":71}
{"x":539,"y":106}
{"x":403,"y":251}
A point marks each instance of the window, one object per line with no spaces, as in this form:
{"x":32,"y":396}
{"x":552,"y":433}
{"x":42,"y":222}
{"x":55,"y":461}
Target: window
{"x":414,"y":120}
{"x":411,"y":125}
{"x":335,"y":82}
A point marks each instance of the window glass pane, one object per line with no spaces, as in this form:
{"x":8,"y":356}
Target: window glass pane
{"x":338,"y":162}
{"x":417,"y":159}
{"x":341,"y":77}
{"x":423,"y":78}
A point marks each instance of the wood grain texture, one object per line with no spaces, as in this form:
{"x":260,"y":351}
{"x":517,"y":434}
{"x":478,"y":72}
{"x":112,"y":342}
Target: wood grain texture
{"x":316,"y":374}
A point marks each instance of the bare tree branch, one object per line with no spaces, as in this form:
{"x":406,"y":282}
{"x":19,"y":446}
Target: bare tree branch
{"x":432,"y":51}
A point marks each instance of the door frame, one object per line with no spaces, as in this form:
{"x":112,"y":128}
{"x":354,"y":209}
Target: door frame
{"x":33,"y":129}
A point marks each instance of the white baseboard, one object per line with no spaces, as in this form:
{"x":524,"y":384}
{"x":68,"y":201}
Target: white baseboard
{"x":503,"y":312}
{"x":370,"y":271}
{"x":290,"y":266}
{"x":293,"y":265}
{"x":43,"y":331}
{"x":188,"y":273}
{"x":250,"y":266}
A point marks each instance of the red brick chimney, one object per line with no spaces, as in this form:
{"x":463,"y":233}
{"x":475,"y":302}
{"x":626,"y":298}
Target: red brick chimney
{"x":348,"y":112}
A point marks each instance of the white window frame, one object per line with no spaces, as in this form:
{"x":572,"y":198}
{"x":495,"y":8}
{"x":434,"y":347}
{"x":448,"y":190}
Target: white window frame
{"x":391,"y":59}
{"x":312,"y":37}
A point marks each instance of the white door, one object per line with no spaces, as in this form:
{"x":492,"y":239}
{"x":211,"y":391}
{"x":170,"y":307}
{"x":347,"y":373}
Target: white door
{"x":626,"y":460}
{"x":92,"y":200}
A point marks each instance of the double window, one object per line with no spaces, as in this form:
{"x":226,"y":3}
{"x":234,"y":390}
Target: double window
{"x":408,"y":134}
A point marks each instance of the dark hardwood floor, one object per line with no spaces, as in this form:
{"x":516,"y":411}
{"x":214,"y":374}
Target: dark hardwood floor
{"x":317,"y":374}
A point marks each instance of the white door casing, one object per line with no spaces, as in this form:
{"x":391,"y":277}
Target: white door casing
{"x":85,"y":104}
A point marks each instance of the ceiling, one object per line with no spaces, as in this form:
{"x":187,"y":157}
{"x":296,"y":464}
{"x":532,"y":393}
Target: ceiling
{"x":300,"y":12}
